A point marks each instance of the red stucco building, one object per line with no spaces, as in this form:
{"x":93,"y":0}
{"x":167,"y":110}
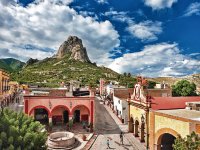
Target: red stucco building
{"x":59,"y":106}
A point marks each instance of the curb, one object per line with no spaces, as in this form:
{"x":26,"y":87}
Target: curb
{"x":93,"y":142}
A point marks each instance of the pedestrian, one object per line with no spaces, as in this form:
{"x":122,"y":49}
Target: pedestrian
{"x":121,"y":138}
{"x":108,"y":144}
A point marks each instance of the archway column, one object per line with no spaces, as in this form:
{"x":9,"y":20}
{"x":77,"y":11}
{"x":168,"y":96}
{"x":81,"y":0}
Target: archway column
{"x":50,"y":119}
{"x":142,"y":133}
{"x":71,"y":116}
{"x":92,"y":112}
{"x":131,"y":125}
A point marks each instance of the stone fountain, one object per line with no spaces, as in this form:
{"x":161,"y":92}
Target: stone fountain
{"x":62,"y":140}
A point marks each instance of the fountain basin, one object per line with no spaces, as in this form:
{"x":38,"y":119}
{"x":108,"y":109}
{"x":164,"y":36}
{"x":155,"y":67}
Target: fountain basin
{"x":62,"y":139}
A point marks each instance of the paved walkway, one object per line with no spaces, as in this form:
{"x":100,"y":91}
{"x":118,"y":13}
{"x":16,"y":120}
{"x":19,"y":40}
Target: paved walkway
{"x":123,"y":127}
{"x":130,"y":142}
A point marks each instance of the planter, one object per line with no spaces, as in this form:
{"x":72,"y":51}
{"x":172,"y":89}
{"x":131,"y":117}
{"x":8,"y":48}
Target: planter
{"x":83,"y":137}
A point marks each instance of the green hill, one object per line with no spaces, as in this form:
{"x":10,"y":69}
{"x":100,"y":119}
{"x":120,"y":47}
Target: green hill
{"x":51,"y":71}
{"x":11,"y":64}
{"x":71,"y":62}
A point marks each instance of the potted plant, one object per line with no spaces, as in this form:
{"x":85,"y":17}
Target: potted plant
{"x":84,"y":137}
{"x":70,"y":124}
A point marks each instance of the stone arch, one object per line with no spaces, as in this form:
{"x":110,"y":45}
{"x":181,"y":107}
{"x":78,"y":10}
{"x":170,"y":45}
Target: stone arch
{"x":60,"y":114}
{"x":74,"y":108}
{"x":159,"y":135}
{"x":80,"y":114}
{"x":57,"y":106}
{"x":40,"y":106}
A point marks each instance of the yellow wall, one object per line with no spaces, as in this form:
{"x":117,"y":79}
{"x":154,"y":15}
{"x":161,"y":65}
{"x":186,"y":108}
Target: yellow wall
{"x":5,"y":76}
{"x":181,"y":127}
{"x":136,"y":112}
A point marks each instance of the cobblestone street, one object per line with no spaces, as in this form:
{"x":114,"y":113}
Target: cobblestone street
{"x":108,"y":126}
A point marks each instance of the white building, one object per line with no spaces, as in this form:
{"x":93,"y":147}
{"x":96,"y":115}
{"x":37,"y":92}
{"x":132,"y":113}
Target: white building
{"x":120,"y":103}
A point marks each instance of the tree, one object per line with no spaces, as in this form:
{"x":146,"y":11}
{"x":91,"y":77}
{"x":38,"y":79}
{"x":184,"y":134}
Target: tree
{"x":151,"y":84}
{"x":18,"y":131}
{"x":130,"y":85}
{"x":184,"y":88}
{"x":129,"y":74}
{"x":191,"y":142}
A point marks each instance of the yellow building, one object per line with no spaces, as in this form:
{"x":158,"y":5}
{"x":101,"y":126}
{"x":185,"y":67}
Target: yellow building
{"x":14,"y":86}
{"x":157,"y":121}
{"x":4,"y":87}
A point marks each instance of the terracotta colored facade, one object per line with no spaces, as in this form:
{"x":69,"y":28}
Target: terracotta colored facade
{"x":56,"y":105}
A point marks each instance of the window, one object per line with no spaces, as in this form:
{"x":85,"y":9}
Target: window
{"x":119,"y":101}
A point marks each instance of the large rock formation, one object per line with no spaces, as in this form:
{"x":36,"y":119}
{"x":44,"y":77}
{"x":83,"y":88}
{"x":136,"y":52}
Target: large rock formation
{"x":74,"y":47}
{"x":30,"y":62}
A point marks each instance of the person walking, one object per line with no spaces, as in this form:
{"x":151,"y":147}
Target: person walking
{"x":121,"y":138}
{"x":108,"y":144}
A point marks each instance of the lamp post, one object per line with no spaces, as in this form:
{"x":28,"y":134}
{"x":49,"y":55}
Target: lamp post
{"x":142,"y":119}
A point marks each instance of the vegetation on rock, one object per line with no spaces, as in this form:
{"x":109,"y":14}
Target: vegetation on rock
{"x":18,"y":132}
{"x":50,"y":72}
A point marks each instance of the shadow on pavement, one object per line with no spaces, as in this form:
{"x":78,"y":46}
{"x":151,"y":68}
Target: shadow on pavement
{"x":104,"y":123}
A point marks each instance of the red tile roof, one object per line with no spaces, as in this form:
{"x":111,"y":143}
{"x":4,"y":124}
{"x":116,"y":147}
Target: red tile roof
{"x":166,"y":103}
{"x":123,"y":93}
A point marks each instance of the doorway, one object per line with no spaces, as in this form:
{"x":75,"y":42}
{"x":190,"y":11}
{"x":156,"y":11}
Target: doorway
{"x":41,"y":115}
{"x":65,"y":116}
{"x":167,"y":141}
{"x":77,"y":116}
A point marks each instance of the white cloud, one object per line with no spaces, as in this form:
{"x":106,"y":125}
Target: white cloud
{"x":102,"y":1}
{"x":146,"y":31}
{"x":159,"y":4}
{"x":163,"y":59}
{"x":193,"y":9}
{"x":121,"y":16}
{"x":46,"y":24}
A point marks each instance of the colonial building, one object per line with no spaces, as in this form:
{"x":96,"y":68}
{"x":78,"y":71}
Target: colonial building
{"x":4,"y":87}
{"x":156,"y":118}
{"x":60,"y":105}
{"x":120,"y":104}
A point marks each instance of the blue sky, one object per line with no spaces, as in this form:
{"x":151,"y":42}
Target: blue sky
{"x":147,"y":37}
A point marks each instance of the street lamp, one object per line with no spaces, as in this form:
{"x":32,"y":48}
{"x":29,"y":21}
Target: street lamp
{"x":142,"y":118}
